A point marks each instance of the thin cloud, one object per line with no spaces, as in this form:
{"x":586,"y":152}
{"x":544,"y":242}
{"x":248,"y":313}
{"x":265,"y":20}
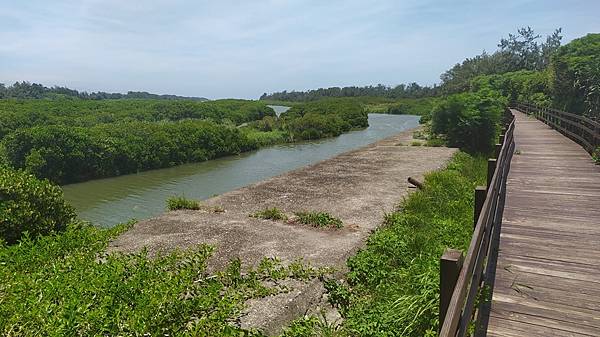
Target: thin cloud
{"x":244,"y":48}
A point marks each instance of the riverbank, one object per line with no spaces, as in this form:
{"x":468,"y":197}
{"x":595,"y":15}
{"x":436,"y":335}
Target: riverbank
{"x":358,"y":187}
{"x":110,"y":201}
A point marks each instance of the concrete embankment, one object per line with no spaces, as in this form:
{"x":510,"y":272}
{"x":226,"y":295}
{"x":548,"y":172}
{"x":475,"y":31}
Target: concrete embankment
{"x":357,"y":186}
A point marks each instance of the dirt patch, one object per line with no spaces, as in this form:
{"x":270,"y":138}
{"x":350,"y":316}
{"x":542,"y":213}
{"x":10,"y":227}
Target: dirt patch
{"x":357,"y":187}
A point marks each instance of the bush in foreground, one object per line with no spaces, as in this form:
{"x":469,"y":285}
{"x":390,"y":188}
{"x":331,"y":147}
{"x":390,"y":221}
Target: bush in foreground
{"x":30,"y":205}
{"x":66,"y":285}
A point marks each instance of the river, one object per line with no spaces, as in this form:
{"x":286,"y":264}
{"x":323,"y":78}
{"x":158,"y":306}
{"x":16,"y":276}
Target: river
{"x":107,"y":202}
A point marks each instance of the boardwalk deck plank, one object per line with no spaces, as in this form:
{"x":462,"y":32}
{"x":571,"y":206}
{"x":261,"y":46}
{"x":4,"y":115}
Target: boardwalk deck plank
{"x":548,"y":274}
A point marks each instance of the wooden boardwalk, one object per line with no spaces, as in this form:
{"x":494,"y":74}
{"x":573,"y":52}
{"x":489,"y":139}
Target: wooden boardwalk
{"x":548,"y":273}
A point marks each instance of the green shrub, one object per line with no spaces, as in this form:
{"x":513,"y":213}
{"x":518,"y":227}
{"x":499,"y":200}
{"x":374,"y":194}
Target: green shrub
{"x":596,"y":155}
{"x":392,"y":288}
{"x":318,"y":219}
{"x":469,"y":120}
{"x":181,"y":202}
{"x":270,"y":214}
{"x":67,"y":285}
{"x":324,"y":118}
{"x":30,"y":205}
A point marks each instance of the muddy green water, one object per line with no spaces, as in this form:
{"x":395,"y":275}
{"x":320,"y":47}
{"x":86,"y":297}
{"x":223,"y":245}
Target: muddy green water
{"x":107,"y":202}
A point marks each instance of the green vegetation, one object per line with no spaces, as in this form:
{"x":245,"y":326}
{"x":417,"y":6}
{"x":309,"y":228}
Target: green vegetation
{"x":517,"y":52}
{"x":575,"y":76}
{"x":70,"y":154}
{"x":318,"y":219}
{"x":30,"y":207}
{"x":392,"y":288}
{"x":469,"y":120}
{"x":19,"y":114}
{"x":181,"y":202}
{"x":72,"y":140}
{"x":412,"y":90}
{"x":273,"y":213}
{"x":522,"y":86}
{"x":596,"y":156}
{"x":66,"y":285}
{"x":26,"y":90}
{"x":324,"y":118}
{"x":418,"y":106}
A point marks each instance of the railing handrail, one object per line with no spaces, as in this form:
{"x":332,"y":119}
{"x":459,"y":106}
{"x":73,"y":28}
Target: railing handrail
{"x":461,"y":306}
{"x":583,"y":130}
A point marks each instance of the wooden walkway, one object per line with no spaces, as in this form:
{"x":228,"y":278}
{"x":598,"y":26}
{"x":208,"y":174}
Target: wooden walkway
{"x":548,"y":273}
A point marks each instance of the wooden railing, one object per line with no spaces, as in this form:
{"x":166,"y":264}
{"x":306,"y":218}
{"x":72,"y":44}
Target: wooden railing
{"x":583,"y":130}
{"x":464,"y":281}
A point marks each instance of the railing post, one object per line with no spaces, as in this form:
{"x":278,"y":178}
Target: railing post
{"x":450,"y":265}
{"x":490,"y":171}
{"x":497,"y":149}
{"x":480,"y":194}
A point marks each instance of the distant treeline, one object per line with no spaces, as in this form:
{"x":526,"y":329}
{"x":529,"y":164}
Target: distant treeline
{"x":18,"y":114}
{"x":26,"y":90}
{"x":412,"y":90}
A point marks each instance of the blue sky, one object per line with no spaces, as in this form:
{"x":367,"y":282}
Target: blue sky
{"x":226,"y":48}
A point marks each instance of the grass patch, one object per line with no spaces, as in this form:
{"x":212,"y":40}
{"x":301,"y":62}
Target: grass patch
{"x":596,"y":156}
{"x":318,"y":219}
{"x":270,"y":214}
{"x":435,"y":142}
{"x":66,"y":285}
{"x":392,"y":288}
{"x":181,"y":202}
{"x":416,"y":143}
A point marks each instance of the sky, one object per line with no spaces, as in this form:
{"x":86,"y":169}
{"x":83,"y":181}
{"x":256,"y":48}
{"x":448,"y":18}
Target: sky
{"x":220,"y":49}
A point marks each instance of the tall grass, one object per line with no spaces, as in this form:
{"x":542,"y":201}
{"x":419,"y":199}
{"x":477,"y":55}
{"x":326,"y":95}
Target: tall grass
{"x":393,"y":284}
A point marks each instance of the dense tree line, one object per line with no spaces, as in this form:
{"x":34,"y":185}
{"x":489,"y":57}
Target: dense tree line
{"x":517,"y":52}
{"x":69,"y":154}
{"x":412,"y":90}
{"x":571,"y":82}
{"x":17,"y":114}
{"x":575,"y":76}
{"x":75,"y":140}
{"x":27,"y":90}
